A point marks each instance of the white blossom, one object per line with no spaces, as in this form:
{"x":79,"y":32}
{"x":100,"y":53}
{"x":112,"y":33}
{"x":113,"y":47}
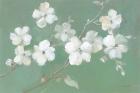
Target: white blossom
{"x":44,"y":15}
{"x":22,"y":56}
{"x":21,"y":36}
{"x":43,"y":52}
{"x":81,"y":50}
{"x":115,"y":46}
{"x":111,"y":21}
{"x":94,"y":41}
{"x":78,"y":51}
{"x":64,"y":32}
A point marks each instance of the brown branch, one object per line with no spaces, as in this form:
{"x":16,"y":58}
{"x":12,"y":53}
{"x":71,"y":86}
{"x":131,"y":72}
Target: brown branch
{"x":46,"y":79}
{"x":43,"y":81}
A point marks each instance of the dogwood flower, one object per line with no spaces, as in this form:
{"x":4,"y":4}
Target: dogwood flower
{"x":43,"y":52}
{"x":64,"y":32}
{"x":111,"y":21}
{"x":22,"y":56}
{"x":21,"y":36}
{"x":78,"y":51}
{"x":94,"y":41}
{"x":44,"y":15}
{"x":115,"y":46}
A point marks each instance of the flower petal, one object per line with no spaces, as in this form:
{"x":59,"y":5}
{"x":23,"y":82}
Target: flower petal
{"x":64,"y":37}
{"x":50,"y":11}
{"x":86,"y":56}
{"x":51,"y":19}
{"x":120,"y":39}
{"x":41,"y":23}
{"x":114,"y":53}
{"x":86,"y":47}
{"x":109,"y":41}
{"x":18,"y":59}
{"x":36,"y":14}
{"x":43,"y":45}
{"x":106,"y":23}
{"x":50,"y":55}
{"x":75,"y":58}
{"x":90,"y":36}
{"x":26,"y":61}
{"x":27,"y":39}
{"x":39,"y":58}
{"x":44,"y":7}
{"x":16,"y":40}
{"x":97,"y":45}
{"x":112,"y":13}
{"x":19,"y":50}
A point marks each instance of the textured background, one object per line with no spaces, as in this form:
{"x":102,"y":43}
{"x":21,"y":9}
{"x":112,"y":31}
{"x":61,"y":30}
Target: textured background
{"x":94,"y":77}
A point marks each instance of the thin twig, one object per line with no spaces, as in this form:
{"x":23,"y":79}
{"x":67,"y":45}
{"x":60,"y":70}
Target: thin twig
{"x":91,"y":21}
{"x":66,"y":64}
{"x":47,"y":79}
{"x":42,"y":83}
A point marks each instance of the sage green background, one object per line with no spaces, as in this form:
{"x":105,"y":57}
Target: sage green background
{"x":94,"y":77}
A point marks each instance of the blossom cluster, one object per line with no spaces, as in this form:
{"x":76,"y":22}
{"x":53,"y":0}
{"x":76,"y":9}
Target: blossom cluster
{"x":79,"y":48}
{"x":115,"y":43}
{"x":20,"y":38}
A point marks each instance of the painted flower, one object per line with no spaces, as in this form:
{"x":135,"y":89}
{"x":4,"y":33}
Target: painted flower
{"x":21,"y":36}
{"x":111,"y":21}
{"x":43,"y":52}
{"x":77,"y":51}
{"x":44,"y":15}
{"x":115,"y":46}
{"x":22,"y":56}
{"x":94,"y":41}
{"x":64,"y":32}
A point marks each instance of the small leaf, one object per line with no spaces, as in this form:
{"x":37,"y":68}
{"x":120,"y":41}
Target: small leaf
{"x":72,"y":83}
{"x":119,"y":67}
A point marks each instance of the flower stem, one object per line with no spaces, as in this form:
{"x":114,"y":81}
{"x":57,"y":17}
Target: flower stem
{"x":91,"y":21}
